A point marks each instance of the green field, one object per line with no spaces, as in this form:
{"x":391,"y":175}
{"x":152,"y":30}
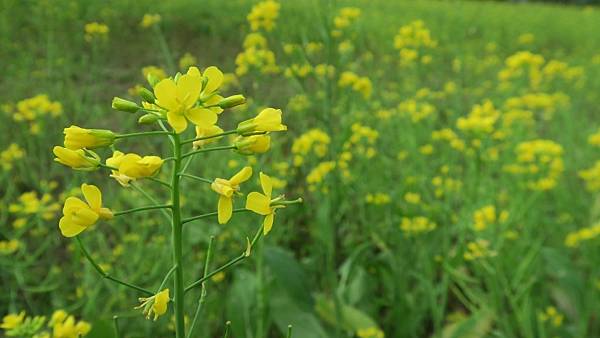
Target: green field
{"x":435,"y":172}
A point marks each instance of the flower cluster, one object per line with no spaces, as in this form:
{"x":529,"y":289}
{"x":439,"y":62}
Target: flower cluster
{"x":95,"y":30}
{"x":371,"y":332}
{"x":540,"y":161}
{"x":149,"y":20}
{"x":591,"y":176}
{"x":551,"y":315}
{"x":264,"y":15}
{"x":9,"y":155}
{"x":314,"y":141}
{"x":359,"y":84}
{"x":417,"y":225}
{"x":478,"y":249}
{"x":60,"y":325}
{"x":575,"y":238}
{"x":346,"y":17}
{"x":378,"y":198}
{"x":412,"y":42}
{"x":486,"y":216}
{"x":33,"y":109}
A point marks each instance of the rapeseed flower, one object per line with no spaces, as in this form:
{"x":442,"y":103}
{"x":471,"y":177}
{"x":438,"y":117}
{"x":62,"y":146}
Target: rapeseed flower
{"x":268,"y":119}
{"x":255,"y":144}
{"x":128,"y":167}
{"x":79,"y":215}
{"x":77,"y":159}
{"x":226,"y":189}
{"x":79,"y":138}
{"x":156,"y":304}
{"x":262,"y":204}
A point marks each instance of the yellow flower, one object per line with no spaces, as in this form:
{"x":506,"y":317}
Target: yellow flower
{"x":76,"y":159}
{"x":226,"y":189}
{"x":256,"y":144}
{"x":156,"y":304}
{"x":180,"y":98}
{"x":78,"y":138}
{"x":202,"y":131}
{"x":66,"y":327}
{"x":268,"y":119}
{"x":12,"y":320}
{"x":79,"y":215}
{"x":261,"y":203}
{"x":132,"y":166}
{"x":150,"y":20}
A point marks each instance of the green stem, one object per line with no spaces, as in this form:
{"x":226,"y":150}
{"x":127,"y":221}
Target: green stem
{"x":241,"y":257}
{"x":261,"y":294}
{"x":166,"y":279}
{"x":105,"y":274}
{"x":206,"y":150}
{"x":176,"y":238}
{"x":164,"y":48}
{"x":116,"y":325}
{"x":193,"y":218}
{"x":150,"y":198}
{"x":289,"y":334}
{"x":146,"y":133}
{"x":203,"y":292}
{"x":154,"y":179}
{"x":227,"y":325}
{"x":197,"y":178}
{"x":150,"y":207}
{"x":229,"y":132}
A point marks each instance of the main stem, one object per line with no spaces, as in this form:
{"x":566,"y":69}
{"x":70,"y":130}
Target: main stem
{"x":176,"y":241}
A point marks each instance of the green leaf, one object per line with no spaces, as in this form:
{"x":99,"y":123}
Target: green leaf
{"x":475,"y":326}
{"x":352,"y":318}
{"x":289,"y":273}
{"x":285,"y":311}
{"x":241,"y":299}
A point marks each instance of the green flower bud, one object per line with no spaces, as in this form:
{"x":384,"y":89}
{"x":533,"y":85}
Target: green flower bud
{"x":147,"y":95}
{"x":148,"y":118}
{"x":124,"y":105}
{"x":232,"y":101}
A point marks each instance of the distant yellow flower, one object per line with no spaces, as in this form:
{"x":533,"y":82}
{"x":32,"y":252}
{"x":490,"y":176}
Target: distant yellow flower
{"x":78,"y":138}
{"x":156,"y":304}
{"x":268,"y":119}
{"x":76,"y":159}
{"x":226,"y":188}
{"x":261,"y":203}
{"x":9,"y":247}
{"x":255,"y":144}
{"x":95,"y":30}
{"x":133,"y":166}
{"x":79,"y":215}
{"x":150,"y":20}
{"x":12,"y":320}
{"x":180,"y":98}
{"x":69,"y":328}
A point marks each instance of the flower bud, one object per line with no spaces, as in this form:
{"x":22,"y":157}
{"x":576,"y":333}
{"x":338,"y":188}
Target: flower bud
{"x":268,"y":119}
{"x":76,"y":159}
{"x":256,"y":144}
{"x":232,"y":101}
{"x":148,"y":118}
{"x":146,"y":95}
{"x":124,"y":105}
{"x":79,"y":138}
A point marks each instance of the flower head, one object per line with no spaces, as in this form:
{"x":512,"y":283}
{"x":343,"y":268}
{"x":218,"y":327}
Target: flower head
{"x":262,"y":203}
{"x":207,"y":132}
{"x":226,"y":189}
{"x":156,"y":304}
{"x":77,"y":159}
{"x":179,"y":97}
{"x":268,"y":119}
{"x":132,"y":166}
{"x":78,"y":138}
{"x":79,"y":215}
{"x":12,"y":320}
{"x":255,"y":144}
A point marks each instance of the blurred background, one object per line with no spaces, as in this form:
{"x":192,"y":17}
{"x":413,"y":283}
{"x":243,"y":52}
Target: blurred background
{"x":448,"y":153}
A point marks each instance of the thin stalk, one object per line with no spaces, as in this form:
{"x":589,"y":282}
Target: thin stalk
{"x":241,"y":257}
{"x":193,"y":218}
{"x":289,"y":334}
{"x":176,"y":238}
{"x":150,"y":198}
{"x":203,"y":292}
{"x":146,"y":133}
{"x":197,"y":178}
{"x":105,"y":274}
{"x":150,"y":207}
{"x":166,"y":279}
{"x":227,"y":325}
{"x":261,"y":294}
{"x":229,"y":132}
{"x":116,"y":326}
{"x":159,"y":181}
{"x":206,"y":150}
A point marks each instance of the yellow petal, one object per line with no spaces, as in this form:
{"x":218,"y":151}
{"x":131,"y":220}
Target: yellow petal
{"x":225,"y":209}
{"x":267,"y":185}
{"x":92,"y":195}
{"x":268,"y":223}
{"x":84,"y":217}
{"x":178,"y":122}
{"x":188,"y":89}
{"x":166,"y":91}
{"x":193,"y":71}
{"x":258,"y":203}
{"x":215,"y":79}
{"x":242,"y":176}
{"x":201,"y":116}
{"x":68,"y":228}
{"x":73,"y":204}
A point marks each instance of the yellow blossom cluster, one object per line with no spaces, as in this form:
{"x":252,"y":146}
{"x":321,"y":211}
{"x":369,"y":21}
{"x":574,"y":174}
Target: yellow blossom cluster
{"x":314,"y":141}
{"x":412,"y":41}
{"x":264,"y":15}
{"x":359,"y":84}
{"x":318,"y":174}
{"x":256,"y":55}
{"x":536,"y":69}
{"x":573,"y":239}
{"x":449,"y":136}
{"x":95,"y":30}
{"x":591,"y":176}
{"x":480,"y":120}
{"x":149,"y":20}
{"x":416,"y":110}
{"x":32,"y":109}
{"x":416,"y":225}
{"x":541,"y":162}
{"x":545,"y":104}
{"x":154,"y":72}
{"x":299,"y":103}
{"x":412,"y":198}
{"x":551,"y":315}
{"x":486,"y":216}
{"x":478,"y":249}
{"x":594,"y":139}
{"x":445,"y":185}
{"x":30,"y":204}
{"x":60,"y":325}
{"x":346,"y":16}
{"x":298,"y":70}
{"x":11,"y":154}
{"x":9,"y":247}
{"x":378,"y":198}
